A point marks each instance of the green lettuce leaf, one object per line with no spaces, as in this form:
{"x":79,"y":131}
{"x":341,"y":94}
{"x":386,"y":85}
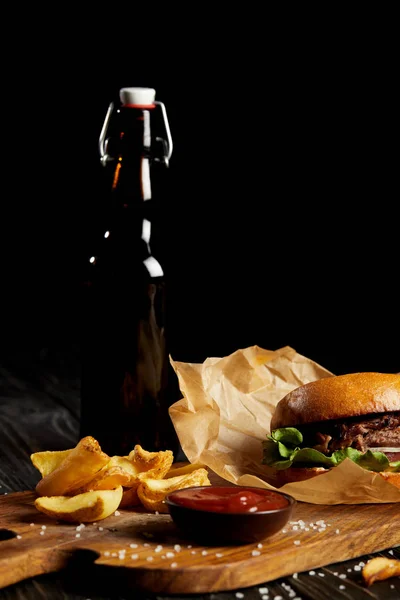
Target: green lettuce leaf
{"x":282,"y":449}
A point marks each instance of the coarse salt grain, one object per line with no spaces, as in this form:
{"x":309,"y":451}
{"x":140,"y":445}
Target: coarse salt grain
{"x":311,"y":572}
{"x":149,"y":558}
{"x":134,"y":556}
{"x":117,"y":513}
{"x":170,"y":555}
{"x":264,"y":597}
{"x":106,"y":553}
{"x":278,"y":597}
{"x":297,"y":542}
{"x":44,"y":527}
{"x":255,"y":553}
{"x":133,"y":545}
{"x":100,"y":528}
{"x":42,"y":533}
{"x":357,"y":568}
{"x":77,"y":535}
{"x":177,"y":548}
{"x":263,"y":590}
{"x":193,"y":552}
{"x":284,"y":530}
{"x":158,"y":549}
{"x":337,"y":531}
{"x":239,"y":595}
{"x":174,"y":564}
{"x":190,"y":546}
{"x":219,"y":554}
{"x":19,"y":537}
{"x":32,"y":524}
{"x":204,"y":553}
{"x":342,"y":576}
{"x":349,"y":570}
{"x":295,"y":528}
{"x":342,"y":587}
{"x":391,"y":552}
{"x":321,"y":574}
{"x":295,"y":575}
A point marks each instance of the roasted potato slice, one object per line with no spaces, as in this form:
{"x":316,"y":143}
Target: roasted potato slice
{"x":46,"y":462}
{"x":380,"y":568}
{"x":82,"y":508}
{"x":152,"y":492}
{"x":77,"y":469}
{"x":107,"y":478}
{"x":130,"y":498}
{"x":183,"y":470}
{"x":153,"y":465}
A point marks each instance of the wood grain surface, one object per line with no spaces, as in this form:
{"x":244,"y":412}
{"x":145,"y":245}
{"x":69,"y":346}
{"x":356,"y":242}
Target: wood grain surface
{"x":147,"y":551}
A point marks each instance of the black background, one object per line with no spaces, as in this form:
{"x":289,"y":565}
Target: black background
{"x":282,"y":190}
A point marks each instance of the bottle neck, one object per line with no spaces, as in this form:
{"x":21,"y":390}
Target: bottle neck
{"x":132,"y":171}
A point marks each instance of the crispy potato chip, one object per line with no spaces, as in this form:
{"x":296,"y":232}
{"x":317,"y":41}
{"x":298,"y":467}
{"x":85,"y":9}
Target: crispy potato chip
{"x":82,"y":508}
{"x":77,"y":469}
{"x":130,"y":498}
{"x":46,"y":462}
{"x":151,"y":465}
{"x":380,"y":568}
{"x":183,"y":469}
{"x":152,"y":492}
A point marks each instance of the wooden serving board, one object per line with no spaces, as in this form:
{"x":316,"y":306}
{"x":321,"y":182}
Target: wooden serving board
{"x":147,"y":552}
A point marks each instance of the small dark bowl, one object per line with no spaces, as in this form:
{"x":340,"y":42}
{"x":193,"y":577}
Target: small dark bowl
{"x":226,"y":527}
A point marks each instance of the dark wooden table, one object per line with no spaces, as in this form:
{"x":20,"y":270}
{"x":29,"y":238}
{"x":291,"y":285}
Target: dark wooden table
{"x":39,"y":410}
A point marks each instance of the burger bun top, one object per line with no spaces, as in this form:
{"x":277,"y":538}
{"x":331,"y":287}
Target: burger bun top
{"x":338,"y":397}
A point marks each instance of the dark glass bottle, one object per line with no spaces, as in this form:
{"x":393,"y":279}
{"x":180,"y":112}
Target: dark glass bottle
{"x":128,"y":383}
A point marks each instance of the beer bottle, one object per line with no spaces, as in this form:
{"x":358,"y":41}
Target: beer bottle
{"x":127,"y":381}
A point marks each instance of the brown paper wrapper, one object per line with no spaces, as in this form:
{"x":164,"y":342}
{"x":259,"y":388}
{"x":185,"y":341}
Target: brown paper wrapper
{"x":225,"y":413}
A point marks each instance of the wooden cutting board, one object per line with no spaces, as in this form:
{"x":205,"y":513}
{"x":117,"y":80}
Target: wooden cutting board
{"x":147,"y":552}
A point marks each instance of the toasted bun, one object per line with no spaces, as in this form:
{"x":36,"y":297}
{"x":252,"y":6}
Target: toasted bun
{"x":338,"y":397}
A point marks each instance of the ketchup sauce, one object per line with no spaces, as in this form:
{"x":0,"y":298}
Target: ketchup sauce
{"x":229,"y":499}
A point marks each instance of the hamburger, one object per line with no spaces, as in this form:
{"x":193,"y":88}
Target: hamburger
{"x":318,"y":425}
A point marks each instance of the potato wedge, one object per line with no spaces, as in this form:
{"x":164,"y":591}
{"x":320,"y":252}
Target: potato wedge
{"x":46,"y":462}
{"x":130,"y":498}
{"x":380,"y":568}
{"x":153,"y":465}
{"x":82,"y":508}
{"x":183,"y":470}
{"x":77,"y":469}
{"x":107,"y":478}
{"x":152,"y":492}
{"x":127,"y":466}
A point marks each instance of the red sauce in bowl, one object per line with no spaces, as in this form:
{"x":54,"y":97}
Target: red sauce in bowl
{"x":229,"y":499}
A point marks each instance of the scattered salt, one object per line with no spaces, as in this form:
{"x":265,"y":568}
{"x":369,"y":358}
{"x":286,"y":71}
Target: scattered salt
{"x":357,"y":568}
